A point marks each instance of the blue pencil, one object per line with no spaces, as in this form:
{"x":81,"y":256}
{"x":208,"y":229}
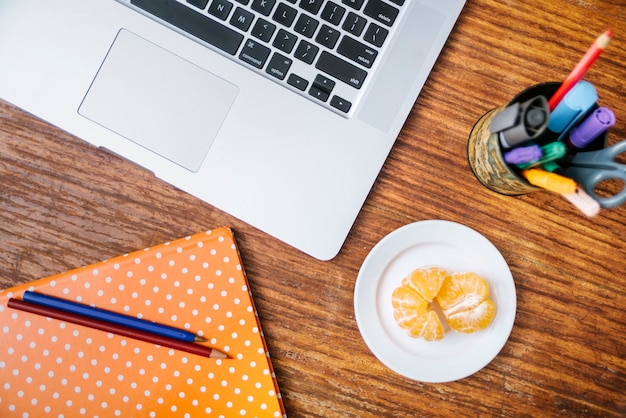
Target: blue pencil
{"x":111,"y":317}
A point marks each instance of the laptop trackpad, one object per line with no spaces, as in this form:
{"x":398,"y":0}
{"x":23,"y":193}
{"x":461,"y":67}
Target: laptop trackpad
{"x":158,"y":100}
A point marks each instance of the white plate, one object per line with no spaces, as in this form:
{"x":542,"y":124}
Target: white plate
{"x":456,"y":248}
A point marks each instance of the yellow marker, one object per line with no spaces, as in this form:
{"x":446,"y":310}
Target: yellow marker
{"x":550,"y":181}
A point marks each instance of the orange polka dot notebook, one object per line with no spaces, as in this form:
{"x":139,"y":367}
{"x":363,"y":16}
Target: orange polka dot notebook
{"x":53,"y":368}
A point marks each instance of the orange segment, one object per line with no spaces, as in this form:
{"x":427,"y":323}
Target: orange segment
{"x":464,"y":299}
{"x":411,"y":308}
{"x":428,"y":327}
{"x":408,"y":306}
{"x":426,"y":281}
{"x":474,"y":319}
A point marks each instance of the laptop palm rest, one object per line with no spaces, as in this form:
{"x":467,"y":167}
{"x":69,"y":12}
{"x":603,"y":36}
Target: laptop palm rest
{"x":158,"y":100}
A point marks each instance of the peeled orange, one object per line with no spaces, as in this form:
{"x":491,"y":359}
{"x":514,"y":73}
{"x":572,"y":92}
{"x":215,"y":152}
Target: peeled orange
{"x":464,"y":300}
{"x":412,"y":305}
{"x":412,"y":312}
{"x":426,"y":281}
{"x":428,"y":293}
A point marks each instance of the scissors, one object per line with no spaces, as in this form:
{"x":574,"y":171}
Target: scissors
{"x":591,"y":167}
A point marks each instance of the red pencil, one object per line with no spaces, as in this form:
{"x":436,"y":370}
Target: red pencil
{"x":579,"y":71}
{"x":115,"y":329}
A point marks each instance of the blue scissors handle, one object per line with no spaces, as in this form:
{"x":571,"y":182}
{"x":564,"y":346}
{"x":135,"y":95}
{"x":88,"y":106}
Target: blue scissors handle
{"x":591,"y":168}
{"x":604,"y":158}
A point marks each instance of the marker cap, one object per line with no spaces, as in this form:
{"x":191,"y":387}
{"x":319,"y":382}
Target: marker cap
{"x":550,"y":181}
{"x":521,"y":122}
{"x":599,"y":121}
{"x":578,"y":101}
{"x":522,"y":155}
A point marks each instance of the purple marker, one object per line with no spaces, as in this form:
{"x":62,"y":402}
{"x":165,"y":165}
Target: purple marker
{"x":598,"y":122}
{"x":521,"y":155}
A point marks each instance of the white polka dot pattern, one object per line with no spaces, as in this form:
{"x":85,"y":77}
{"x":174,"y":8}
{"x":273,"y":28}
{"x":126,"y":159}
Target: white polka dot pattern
{"x":49,"y":367}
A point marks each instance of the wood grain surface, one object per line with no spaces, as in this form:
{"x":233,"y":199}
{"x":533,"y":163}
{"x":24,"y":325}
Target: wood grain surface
{"x":65,"y":204}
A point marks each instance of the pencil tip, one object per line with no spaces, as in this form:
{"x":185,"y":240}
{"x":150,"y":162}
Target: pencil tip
{"x":218,"y":354}
{"x":199,"y":339}
{"x":604,"y":40}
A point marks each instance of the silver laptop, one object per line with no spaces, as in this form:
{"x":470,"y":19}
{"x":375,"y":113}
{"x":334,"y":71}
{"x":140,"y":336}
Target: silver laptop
{"x":279,"y":112}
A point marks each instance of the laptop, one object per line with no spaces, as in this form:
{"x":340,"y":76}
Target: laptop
{"x":278,"y":112}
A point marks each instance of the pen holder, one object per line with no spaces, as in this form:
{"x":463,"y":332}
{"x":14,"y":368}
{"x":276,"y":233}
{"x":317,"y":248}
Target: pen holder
{"x":484,"y":151}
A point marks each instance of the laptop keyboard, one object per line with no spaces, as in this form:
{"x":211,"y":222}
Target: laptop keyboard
{"x":324,"y":50}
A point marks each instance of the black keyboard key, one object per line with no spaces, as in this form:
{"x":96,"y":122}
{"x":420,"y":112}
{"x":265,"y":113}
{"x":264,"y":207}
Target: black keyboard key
{"x":311,"y":6}
{"x":327,"y":37}
{"x":357,"y":52}
{"x":263,"y":30}
{"x":333,"y":13}
{"x":285,"y":41}
{"x":306,"y":25}
{"x":381,"y":11}
{"x":398,"y":2}
{"x":220,"y":8}
{"x":306,"y":52}
{"x":355,"y":4}
{"x":241,"y":19}
{"x":297,"y":82}
{"x":341,"y":70}
{"x":354,"y":24}
{"x":341,"y":104}
{"x":318,"y":93}
{"x":263,"y":6}
{"x":324,"y":83}
{"x":278,"y":66}
{"x":194,"y":23}
{"x":200,"y":4}
{"x":254,"y":53}
{"x":375,"y":35}
{"x":285,"y":15}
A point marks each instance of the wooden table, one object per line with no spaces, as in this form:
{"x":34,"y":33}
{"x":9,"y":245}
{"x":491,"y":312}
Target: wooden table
{"x":65,"y":204}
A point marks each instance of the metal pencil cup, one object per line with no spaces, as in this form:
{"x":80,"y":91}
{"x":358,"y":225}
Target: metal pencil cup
{"x":484,"y":150}
{"x":487,"y":163}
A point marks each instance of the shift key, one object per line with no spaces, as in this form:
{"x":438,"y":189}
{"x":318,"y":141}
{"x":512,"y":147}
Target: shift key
{"x":340,"y":69}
